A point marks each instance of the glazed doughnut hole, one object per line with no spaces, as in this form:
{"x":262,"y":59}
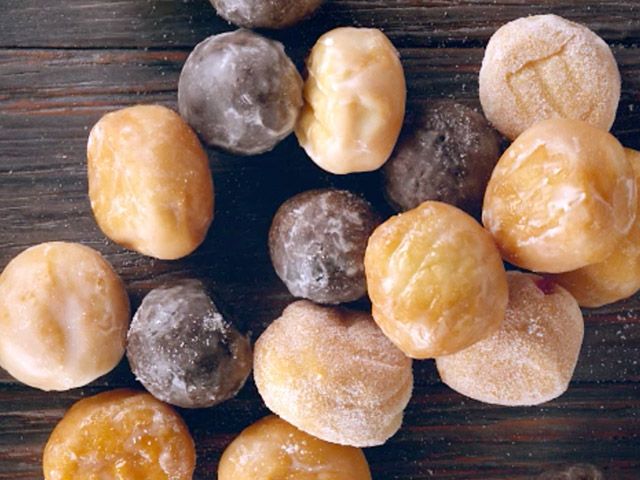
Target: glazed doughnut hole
{"x":617,"y":276}
{"x":531,"y":358}
{"x":272,"y":448}
{"x":354,"y":101}
{"x":64,"y":314}
{"x":544,"y":66}
{"x":265,"y":14}
{"x":240,"y":92}
{"x":561,"y":197}
{"x":332,"y":373}
{"x":446,"y":152}
{"x":182,"y":349}
{"x":149,"y":181}
{"x":120,"y":434}
{"x":436,"y":280}
{"x":317,"y":242}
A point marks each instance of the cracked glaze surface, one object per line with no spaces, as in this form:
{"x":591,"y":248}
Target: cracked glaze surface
{"x":355,"y":97}
{"x":182,"y":349}
{"x":561,"y":197}
{"x":149,"y":181}
{"x":120,"y":434}
{"x":317,"y":242}
{"x":617,"y":276}
{"x":64,"y":314}
{"x":436,"y":280}
{"x":240,"y":92}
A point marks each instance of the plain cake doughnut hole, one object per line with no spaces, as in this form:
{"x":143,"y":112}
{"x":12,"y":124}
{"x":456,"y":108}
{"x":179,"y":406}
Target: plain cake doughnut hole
{"x":64,"y":314}
{"x":531,"y":358}
{"x":274,"y":449}
{"x":332,"y":373}
{"x":545,"y":66}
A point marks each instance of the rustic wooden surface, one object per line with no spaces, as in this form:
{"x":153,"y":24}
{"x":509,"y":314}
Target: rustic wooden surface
{"x":64,"y":64}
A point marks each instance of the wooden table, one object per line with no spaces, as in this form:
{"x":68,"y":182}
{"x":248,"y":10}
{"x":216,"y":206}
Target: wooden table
{"x":64,"y":64}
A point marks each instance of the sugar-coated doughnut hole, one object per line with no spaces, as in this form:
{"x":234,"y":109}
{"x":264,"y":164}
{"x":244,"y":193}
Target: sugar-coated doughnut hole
{"x":149,"y":181}
{"x":121,"y":434}
{"x":435,"y":279}
{"x":354,"y":100}
{"x":617,"y":276}
{"x":183,"y":350}
{"x":545,"y":66}
{"x":333,"y":374}
{"x":561,"y":197}
{"x":531,"y":358}
{"x":240,"y":91}
{"x":274,"y":449}
{"x":64,"y":314}
{"x":265,"y":13}
{"x":446,"y":152}
{"x":317,"y":241}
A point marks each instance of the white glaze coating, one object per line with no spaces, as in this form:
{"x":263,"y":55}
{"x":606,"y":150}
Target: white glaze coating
{"x":149,"y":181}
{"x":354,"y":101}
{"x":64,"y":314}
{"x":561,"y":197}
{"x":240,"y":92}
{"x":317,"y":242}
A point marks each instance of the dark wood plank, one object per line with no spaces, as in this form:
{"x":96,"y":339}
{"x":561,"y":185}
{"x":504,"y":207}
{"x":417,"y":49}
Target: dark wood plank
{"x":444,"y":435}
{"x":62,"y":66}
{"x":38,"y":85}
{"x":182,"y":23}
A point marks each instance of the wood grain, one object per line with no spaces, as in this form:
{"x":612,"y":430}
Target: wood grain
{"x":62,"y":66}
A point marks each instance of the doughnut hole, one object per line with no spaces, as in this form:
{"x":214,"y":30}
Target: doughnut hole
{"x":317,"y":242}
{"x":354,"y":101}
{"x":272,"y":448}
{"x":265,"y":14}
{"x":64,"y":314}
{"x":120,"y":434}
{"x":562,"y":196}
{"x":531,"y":358}
{"x":183,"y":350}
{"x":332,"y":373}
{"x":436,"y":280}
{"x":544,"y":66}
{"x":149,"y":181}
{"x":617,"y":276}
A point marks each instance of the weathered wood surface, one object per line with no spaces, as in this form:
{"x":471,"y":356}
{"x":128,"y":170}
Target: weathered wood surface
{"x":64,"y":64}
